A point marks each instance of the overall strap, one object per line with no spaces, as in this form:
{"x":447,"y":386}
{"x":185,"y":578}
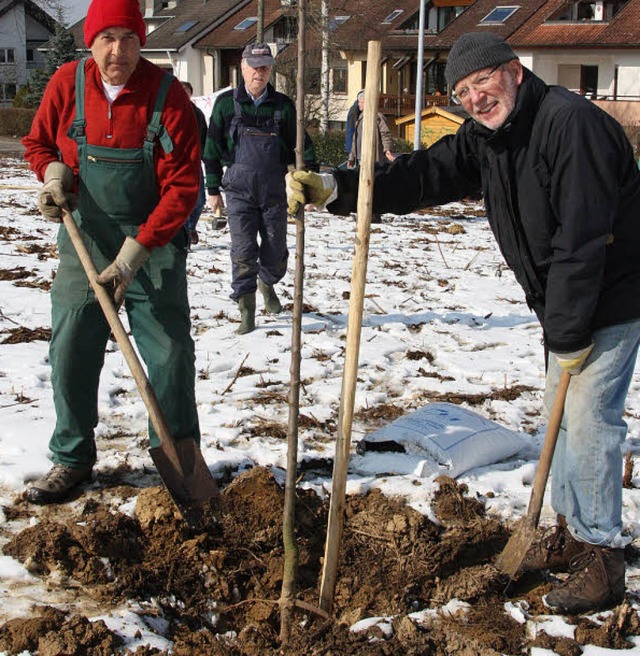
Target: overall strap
{"x":77,"y":130}
{"x":236,"y":121}
{"x":155,"y":129}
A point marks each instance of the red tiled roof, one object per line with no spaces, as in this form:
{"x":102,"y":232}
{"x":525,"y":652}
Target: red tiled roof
{"x":469,"y":21}
{"x":622,"y":31}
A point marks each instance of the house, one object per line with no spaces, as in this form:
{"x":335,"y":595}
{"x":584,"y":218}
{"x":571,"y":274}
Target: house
{"x":24,"y":27}
{"x":435,"y":123}
{"x":590,"y":46}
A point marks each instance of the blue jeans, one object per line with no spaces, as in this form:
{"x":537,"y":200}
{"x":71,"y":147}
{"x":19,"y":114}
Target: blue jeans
{"x":586,"y":485}
{"x":200,"y":203}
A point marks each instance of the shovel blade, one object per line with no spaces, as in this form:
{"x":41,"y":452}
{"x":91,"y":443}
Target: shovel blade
{"x":512,"y":556}
{"x":190,"y":485}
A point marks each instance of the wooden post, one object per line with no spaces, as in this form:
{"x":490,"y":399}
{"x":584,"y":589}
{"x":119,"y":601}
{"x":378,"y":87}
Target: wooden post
{"x":354,"y":328}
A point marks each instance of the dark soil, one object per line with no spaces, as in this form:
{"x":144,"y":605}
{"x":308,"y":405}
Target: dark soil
{"x":218,"y":588}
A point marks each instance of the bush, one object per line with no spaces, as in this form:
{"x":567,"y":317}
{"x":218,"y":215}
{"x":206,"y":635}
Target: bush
{"x":329,"y":147}
{"x":15,"y":122}
{"x":330,"y":150}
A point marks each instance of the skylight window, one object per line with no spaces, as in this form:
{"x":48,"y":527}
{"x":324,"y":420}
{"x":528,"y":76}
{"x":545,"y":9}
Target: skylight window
{"x":246,"y":23}
{"x":392,"y":16}
{"x":336,"y":21}
{"x":500,"y":14}
{"x":185,"y":27}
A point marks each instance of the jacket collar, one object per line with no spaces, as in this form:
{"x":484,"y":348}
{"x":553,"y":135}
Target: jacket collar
{"x":243,"y":96}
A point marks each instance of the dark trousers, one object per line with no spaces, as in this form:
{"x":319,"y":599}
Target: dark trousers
{"x":257,"y":220}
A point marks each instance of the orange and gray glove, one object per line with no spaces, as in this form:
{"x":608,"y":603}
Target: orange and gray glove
{"x":317,"y":189}
{"x":120,"y":273}
{"x":573,"y":362}
{"x":57,"y":191}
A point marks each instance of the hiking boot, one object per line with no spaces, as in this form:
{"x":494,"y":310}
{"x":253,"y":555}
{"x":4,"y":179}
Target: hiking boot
{"x":596,"y":582}
{"x":554,"y":550}
{"x":57,"y":484}
{"x":271,"y":301}
{"x":193,"y":237}
{"x":247,"y":306}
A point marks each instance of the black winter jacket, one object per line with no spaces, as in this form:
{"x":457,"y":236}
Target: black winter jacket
{"x":562,"y":195}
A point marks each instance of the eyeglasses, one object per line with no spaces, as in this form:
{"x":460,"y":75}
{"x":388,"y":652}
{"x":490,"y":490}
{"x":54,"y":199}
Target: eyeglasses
{"x":481,"y":83}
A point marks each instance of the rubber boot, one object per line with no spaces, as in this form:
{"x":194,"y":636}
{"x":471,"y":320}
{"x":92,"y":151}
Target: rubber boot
{"x":247,"y":306}
{"x":271,"y":301}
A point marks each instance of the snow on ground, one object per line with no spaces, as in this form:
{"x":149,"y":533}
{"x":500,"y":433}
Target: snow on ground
{"x":442,"y":316}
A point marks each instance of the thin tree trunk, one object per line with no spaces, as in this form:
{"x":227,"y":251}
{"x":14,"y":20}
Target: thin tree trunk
{"x":287,"y":596}
{"x":260,"y":22}
{"x":324,"y":69}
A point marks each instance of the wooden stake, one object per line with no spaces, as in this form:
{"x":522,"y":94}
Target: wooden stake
{"x":354,"y":327}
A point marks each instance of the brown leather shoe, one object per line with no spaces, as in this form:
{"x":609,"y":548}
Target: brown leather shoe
{"x":57,"y":484}
{"x":554,"y":550}
{"x":596,"y":581}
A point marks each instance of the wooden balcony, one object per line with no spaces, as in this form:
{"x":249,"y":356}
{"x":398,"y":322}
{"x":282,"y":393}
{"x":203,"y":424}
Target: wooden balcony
{"x":394,"y":105}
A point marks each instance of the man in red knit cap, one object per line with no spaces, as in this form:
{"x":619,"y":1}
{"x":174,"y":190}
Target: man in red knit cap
{"x":115,"y":139}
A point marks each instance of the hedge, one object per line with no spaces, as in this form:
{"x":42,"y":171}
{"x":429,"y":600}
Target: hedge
{"x":15,"y":122}
{"x":330,"y":150}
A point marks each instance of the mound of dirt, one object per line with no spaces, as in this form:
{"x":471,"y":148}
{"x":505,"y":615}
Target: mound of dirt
{"x":218,"y":588}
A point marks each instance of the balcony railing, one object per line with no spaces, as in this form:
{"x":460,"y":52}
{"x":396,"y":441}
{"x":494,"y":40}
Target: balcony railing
{"x":394,"y":105}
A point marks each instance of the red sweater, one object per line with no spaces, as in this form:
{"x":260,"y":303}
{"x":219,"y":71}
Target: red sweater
{"x":177,"y":174}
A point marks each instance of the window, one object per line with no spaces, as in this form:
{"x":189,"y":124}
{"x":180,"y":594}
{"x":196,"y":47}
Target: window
{"x":499,"y":14}
{"x":246,"y":23}
{"x":7,"y":55}
{"x":185,"y":27}
{"x":392,"y":16}
{"x":7,"y":91}
{"x":336,"y":21}
{"x":286,"y":29}
{"x":339,"y":82}
{"x":589,"y":80}
{"x":446,"y":15}
{"x":588,"y":10}
{"x":313,"y":80}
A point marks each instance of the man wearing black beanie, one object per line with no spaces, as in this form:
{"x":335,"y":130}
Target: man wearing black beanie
{"x":562,"y":195}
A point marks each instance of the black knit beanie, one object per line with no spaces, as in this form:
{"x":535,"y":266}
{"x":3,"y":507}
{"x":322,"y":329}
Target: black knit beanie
{"x":474,"y":51}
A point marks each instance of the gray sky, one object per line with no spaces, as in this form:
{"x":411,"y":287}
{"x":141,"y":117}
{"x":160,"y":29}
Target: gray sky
{"x":75,"y":10}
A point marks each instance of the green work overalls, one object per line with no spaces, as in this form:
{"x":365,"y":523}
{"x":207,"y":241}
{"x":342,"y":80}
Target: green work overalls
{"x":117,"y":192}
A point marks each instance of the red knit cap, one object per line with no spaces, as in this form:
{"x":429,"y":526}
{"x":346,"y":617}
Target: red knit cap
{"x":113,"y":13}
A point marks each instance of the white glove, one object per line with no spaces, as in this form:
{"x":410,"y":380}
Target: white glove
{"x":57,"y":191}
{"x":120,"y":273}
{"x":318,"y":189}
{"x":573,"y":362}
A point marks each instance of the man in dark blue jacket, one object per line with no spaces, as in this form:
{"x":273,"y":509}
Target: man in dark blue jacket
{"x":562,"y":195}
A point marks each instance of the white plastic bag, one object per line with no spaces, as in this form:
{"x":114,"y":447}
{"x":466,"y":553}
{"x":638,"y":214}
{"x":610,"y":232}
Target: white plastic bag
{"x":456,"y":438}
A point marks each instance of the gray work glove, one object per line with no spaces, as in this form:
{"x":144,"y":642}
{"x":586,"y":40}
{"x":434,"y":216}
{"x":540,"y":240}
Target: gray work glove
{"x":119,"y":274}
{"x":573,"y":362}
{"x":57,"y":191}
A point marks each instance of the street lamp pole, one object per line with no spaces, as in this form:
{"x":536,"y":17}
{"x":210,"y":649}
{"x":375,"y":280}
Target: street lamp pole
{"x":418,"y":116}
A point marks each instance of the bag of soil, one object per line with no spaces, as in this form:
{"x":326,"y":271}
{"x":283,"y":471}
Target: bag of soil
{"x":456,"y":438}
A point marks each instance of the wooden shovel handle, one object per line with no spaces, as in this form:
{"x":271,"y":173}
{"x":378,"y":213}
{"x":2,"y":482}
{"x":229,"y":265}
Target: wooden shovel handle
{"x":548,"y":447}
{"x":156,"y":416}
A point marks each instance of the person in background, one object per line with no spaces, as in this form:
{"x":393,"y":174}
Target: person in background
{"x":350,"y":127}
{"x":252,"y":131}
{"x":192,"y":221}
{"x":567,"y":224}
{"x":384,"y":143}
{"x":384,"y":138}
{"x":115,"y":137}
